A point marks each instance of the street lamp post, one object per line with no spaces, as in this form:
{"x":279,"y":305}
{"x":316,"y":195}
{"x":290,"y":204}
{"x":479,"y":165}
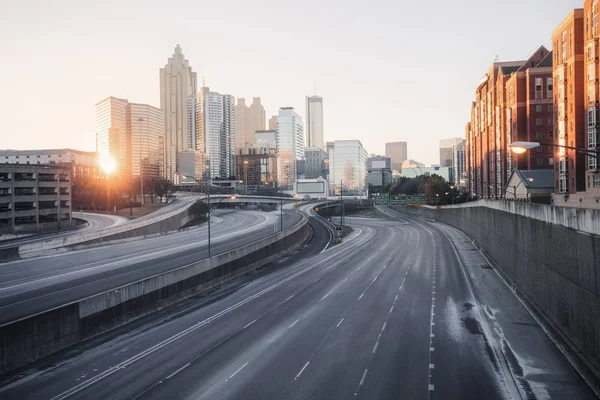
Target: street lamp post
{"x":246,"y":175}
{"x":140,"y":120}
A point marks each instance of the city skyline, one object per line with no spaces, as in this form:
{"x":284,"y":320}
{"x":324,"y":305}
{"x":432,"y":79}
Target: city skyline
{"x":127,"y":68}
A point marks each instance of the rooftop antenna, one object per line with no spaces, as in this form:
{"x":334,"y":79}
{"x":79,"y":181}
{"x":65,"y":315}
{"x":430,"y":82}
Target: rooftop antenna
{"x":497,"y":58}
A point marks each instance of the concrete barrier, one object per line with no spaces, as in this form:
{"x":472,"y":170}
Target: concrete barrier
{"x":162,"y":222}
{"x":550,"y":254}
{"x":40,"y":335}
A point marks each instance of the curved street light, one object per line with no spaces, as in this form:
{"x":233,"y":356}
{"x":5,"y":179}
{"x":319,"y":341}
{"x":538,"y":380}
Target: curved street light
{"x":522,"y":147}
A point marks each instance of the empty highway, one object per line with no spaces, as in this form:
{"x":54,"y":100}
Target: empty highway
{"x":33,"y":285}
{"x":403,"y":309}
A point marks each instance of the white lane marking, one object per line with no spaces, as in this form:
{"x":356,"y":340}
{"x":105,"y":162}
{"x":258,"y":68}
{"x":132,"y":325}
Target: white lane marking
{"x":178,"y":336}
{"x":345,"y":280}
{"x":383,"y":327}
{"x":289,"y":298}
{"x":361,"y":296}
{"x":431,"y":366}
{"x":368,"y":286}
{"x":431,"y":349}
{"x":396,"y":298}
{"x":249,"y":324}
{"x":295,"y":322}
{"x":362,"y":380}
{"x":391,"y":309}
{"x":375,"y":347}
{"x":302,"y":370}
{"x":178,"y":371}
{"x":339,"y":323}
{"x":431,"y":388}
{"x":236,"y":372}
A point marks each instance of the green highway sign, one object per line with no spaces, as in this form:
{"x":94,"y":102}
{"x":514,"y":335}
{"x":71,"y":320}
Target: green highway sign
{"x":399,"y":200}
{"x":382,"y":199}
{"x":416,"y":200}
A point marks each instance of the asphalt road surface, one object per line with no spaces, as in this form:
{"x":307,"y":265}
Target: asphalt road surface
{"x":95,"y":222}
{"x":33,"y":285}
{"x":388,"y":314}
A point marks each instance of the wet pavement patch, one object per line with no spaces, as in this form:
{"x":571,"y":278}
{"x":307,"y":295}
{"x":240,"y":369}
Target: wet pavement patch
{"x":472,"y":325}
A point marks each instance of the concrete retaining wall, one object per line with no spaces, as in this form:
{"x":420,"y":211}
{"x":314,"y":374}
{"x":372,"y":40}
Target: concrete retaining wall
{"x":38,"y":336}
{"x":550,"y":255}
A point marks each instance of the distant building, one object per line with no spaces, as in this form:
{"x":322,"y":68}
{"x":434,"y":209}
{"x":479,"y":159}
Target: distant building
{"x":347,"y":167}
{"x":248,"y":120}
{"x":398,"y":153}
{"x":290,"y":146}
{"x":379,"y":172}
{"x":133,"y":135}
{"x":459,"y":164}
{"x":147,"y":141}
{"x":447,"y":150}
{"x":256,"y":166}
{"x":265,"y":139}
{"x":215,"y":131}
{"x":412,"y":164}
{"x":34,"y":198}
{"x":177,"y":91}
{"x":193,"y":166}
{"x":273,"y":123}
{"x":315,"y":165}
{"x":444,"y":172}
{"x":314,"y":121}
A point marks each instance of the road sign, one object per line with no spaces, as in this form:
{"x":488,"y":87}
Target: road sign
{"x":416,"y":200}
{"x":382,"y":199}
{"x":399,"y":200}
{"x":338,"y":230}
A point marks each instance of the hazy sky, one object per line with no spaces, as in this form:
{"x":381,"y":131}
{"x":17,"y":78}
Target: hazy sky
{"x":388,"y":70}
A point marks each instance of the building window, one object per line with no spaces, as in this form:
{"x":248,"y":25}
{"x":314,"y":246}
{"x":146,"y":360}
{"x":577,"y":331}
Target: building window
{"x":550,"y":107}
{"x":550,"y":135}
{"x":592,"y":163}
{"x":540,"y":149}
{"x":551,"y":161}
{"x":538,"y":108}
{"x":592,"y":138}
{"x":540,"y":161}
{"x":550,"y":121}
{"x":562,"y":166}
{"x":596,"y":180}
{"x":538,"y":135}
{"x":538,"y":121}
{"x":562,"y":184}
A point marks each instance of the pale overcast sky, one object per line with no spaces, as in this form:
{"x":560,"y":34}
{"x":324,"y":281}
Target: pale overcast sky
{"x":388,"y":70}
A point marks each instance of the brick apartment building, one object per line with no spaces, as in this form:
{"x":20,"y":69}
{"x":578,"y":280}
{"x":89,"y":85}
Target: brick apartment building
{"x":570,"y":102}
{"x":513,"y":102}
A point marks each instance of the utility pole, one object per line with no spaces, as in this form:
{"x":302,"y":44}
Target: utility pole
{"x":208,"y":204}
{"x":140,"y":120}
{"x":342,"y":201}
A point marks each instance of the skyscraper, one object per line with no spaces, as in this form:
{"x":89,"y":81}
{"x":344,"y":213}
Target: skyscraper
{"x":273,"y":123}
{"x":248,"y":120}
{"x":113,"y":133}
{"x":290,"y":146}
{"x":177,"y":91}
{"x":348,"y":167}
{"x":215,"y":131}
{"x":147,"y":141}
{"x":133,"y":135}
{"x":398,"y":152}
{"x":314,"y":121}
